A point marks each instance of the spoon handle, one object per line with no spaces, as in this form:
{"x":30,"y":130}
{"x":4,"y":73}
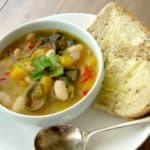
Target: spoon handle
{"x":143,"y":121}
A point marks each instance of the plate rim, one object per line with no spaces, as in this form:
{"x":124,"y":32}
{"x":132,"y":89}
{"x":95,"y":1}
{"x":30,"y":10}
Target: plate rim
{"x":146,"y":129}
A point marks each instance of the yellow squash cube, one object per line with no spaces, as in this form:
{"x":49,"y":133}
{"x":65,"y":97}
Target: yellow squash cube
{"x":18,"y":73}
{"x":47,"y":83}
{"x":66,"y":61}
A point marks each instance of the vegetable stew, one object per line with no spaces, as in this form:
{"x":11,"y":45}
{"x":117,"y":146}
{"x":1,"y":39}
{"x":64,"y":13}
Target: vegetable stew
{"x":45,"y":72}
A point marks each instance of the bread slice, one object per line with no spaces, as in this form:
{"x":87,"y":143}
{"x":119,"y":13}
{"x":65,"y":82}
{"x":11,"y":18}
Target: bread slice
{"x":126,"y":90}
{"x":125,"y":44}
{"x":114,"y":24}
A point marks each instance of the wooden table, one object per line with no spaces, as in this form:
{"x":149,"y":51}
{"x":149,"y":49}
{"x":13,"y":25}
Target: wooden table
{"x":20,"y":11}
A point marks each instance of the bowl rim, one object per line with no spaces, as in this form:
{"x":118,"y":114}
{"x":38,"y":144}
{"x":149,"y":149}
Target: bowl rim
{"x":99,"y":76}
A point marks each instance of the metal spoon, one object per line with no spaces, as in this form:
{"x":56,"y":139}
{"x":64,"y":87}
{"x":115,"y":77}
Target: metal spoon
{"x":68,"y":137}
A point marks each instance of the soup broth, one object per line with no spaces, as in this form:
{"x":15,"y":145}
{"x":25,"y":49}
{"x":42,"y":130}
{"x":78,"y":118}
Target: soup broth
{"x":45,"y":72}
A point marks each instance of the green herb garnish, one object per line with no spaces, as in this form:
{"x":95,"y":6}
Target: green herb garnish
{"x":37,"y":74}
{"x":46,"y":65}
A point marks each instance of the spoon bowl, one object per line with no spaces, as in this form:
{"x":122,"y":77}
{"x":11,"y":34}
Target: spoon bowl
{"x":63,"y":137}
{"x":68,"y":137}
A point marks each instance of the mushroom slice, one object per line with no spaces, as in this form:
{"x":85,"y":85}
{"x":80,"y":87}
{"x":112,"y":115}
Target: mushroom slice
{"x":35,"y":97}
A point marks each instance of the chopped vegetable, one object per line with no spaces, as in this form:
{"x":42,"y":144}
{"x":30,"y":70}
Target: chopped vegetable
{"x":4,"y":76}
{"x":23,"y":83}
{"x":28,"y":79}
{"x":43,"y":62}
{"x":30,"y":45}
{"x":39,"y":52}
{"x":56,"y":71}
{"x":36,"y":74}
{"x":18,"y":73}
{"x":72,"y":74}
{"x":66,"y":61}
{"x":65,"y":78}
{"x":92,"y":61}
{"x":50,"y":63}
{"x":87,"y":74}
{"x":47,"y":83}
{"x":6,"y":73}
{"x":49,"y":45}
{"x":62,"y":44}
{"x":57,"y":42}
{"x":77,"y":47}
{"x":17,"y":52}
{"x":84,"y":92}
{"x":19,"y":104}
{"x":54,"y":37}
{"x":75,"y":51}
{"x":55,"y":46}
{"x":87,"y":85}
{"x":71,"y":43}
{"x":71,"y":91}
{"x":27,"y":65}
{"x":75,"y":55}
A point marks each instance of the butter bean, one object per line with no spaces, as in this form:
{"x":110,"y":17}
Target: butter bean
{"x":60,"y":90}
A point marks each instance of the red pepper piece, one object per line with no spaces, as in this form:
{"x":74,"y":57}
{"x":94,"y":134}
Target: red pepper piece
{"x":87,"y":74}
{"x":2,"y":78}
{"x":84,"y":92}
{"x":49,"y":45}
{"x":7,"y":73}
{"x":30,"y":45}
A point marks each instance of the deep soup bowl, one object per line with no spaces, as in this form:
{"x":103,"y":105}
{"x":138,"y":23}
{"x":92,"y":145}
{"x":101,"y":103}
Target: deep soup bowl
{"x":76,"y":109}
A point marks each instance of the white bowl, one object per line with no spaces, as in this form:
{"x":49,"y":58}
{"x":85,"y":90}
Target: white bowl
{"x":77,"y":108}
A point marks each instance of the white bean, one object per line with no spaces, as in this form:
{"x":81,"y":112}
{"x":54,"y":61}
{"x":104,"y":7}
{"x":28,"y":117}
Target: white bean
{"x":60,"y":90}
{"x":75,"y":51}
{"x":19,"y":104}
{"x":75,"y":55}
{"x":5,"y":100}
{"x":78,"y":47}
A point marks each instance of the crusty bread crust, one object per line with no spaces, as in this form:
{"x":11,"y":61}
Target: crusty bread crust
{"x":142,"y":113}
{"x":113,"y":5}
{"x":145,"y":111}
{"x":120,"y":8}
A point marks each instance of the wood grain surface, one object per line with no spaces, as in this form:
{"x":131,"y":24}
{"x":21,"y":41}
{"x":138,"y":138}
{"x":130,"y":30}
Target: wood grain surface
{"x":20,"y":11}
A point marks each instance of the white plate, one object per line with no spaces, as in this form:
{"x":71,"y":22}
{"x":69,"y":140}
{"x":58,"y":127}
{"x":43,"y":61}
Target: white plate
{"x":16,"y":136}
